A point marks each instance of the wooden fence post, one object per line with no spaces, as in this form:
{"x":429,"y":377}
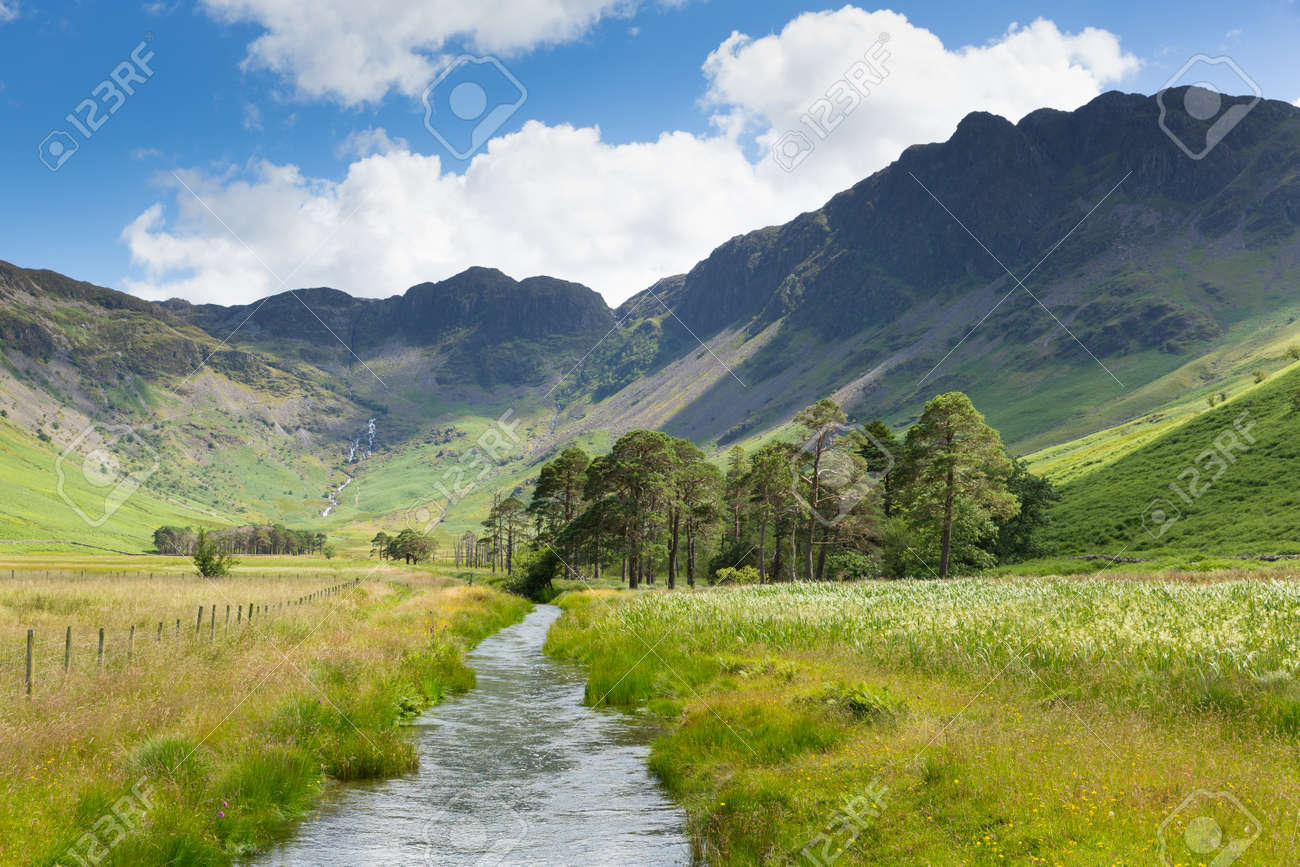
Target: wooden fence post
{"x":198,"y":623}
{"x":67,"y":649}
{"x":130,"y":645}
{"x":29,"y":661}
{"x":227,"y":615}
{"x":99,"y":656}
{"x":239,"y":613}
{"x":160,"y":631}
{"x":212,"y":624}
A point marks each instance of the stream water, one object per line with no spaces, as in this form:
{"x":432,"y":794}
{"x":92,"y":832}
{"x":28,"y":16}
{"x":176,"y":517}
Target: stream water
{"x":516,"y":771}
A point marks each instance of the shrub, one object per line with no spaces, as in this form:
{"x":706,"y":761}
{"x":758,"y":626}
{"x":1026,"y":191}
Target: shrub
{"x":732,"y":575}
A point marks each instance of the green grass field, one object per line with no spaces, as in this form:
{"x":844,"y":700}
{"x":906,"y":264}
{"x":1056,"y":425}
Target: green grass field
{"x":200,"y":748}
{"x":1034,"y":721}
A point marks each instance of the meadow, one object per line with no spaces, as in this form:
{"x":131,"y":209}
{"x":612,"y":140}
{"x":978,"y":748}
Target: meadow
{"x":206,"y":745}
{"x":1118,"y":719}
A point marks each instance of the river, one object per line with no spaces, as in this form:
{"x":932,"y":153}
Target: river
{"x":516,"y":771}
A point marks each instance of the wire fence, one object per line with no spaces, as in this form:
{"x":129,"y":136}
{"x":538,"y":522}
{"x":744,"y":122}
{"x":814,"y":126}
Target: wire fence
{"x":47,"y":658}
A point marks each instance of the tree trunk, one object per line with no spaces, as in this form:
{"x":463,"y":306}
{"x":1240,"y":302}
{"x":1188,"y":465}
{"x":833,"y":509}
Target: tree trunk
{"x":949,"y":495}
{"x":820,"y":559}
{"x":762,"y":547}
{"x":814,"y":489}
{"x":672,"y":552}
{"x":690,"y":553}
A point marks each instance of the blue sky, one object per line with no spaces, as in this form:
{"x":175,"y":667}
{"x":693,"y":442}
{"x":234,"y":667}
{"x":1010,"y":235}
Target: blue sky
{"x":264,"y":136}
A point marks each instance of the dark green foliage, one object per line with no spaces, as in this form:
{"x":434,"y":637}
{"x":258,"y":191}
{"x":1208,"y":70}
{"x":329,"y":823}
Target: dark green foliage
{"x":251,"y":539}
{"x":1019,"y":537}
{"x":208,"y":560}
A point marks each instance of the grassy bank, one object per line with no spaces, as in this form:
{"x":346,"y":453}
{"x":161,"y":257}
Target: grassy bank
{"x":976,"y":721}
{"x":198,"y":750}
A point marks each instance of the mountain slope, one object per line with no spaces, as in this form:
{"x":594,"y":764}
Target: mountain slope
{"x":1181,"y":257}
{"x":1216,"y":484}
{"x":1152,"y":280}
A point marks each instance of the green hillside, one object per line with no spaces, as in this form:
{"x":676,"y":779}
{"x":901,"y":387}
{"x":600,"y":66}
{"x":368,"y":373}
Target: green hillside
{"x":1214,"y":484}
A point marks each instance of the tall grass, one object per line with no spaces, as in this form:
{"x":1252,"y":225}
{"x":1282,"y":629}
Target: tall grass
{"x":1032,"y":720}
{"x":238,"y":737}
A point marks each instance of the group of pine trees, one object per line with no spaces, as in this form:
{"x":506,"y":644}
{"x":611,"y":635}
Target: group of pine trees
{"x":252,"y":539}
{"x":840,"y":502}
{"x":408,"y":546}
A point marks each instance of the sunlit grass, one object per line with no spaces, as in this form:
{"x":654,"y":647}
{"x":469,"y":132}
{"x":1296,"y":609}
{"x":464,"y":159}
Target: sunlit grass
{"x":1031,"y":721}
{"x":237,"y":734}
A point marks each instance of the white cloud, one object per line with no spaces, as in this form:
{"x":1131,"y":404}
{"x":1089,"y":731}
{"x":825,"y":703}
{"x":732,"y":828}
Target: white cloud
{"x":252,"y":118}
{"x":357,"y":52}
{"x":560,"y":201}
{"x":1296,"y":102}
{"x":8,"y":11}
{"x":364,"y":142}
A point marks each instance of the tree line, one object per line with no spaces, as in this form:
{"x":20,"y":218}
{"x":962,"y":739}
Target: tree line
{"x":839,"y":502}
{"x":408,"y":545}
{"x":251,"y":539}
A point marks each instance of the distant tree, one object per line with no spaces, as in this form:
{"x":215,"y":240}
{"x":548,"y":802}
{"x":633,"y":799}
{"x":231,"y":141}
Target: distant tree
{"x":208,"y":560}
{"x":1293,"y":352}
{"x":379,"y":544}
{"x":633,"y":485}
{"x":956,"y":467}
{"x":510,"y":520}
{"x":770,"y":484}
{"x":736,"y":490}
{"x":819,"y":422}
{"x":882,"y":453}
{"x":1016,"y":537}
{"x":1259,"y":375}
{"x":174,"y":540}
{"x":410,"y":546}
{"x":1210,"y":399}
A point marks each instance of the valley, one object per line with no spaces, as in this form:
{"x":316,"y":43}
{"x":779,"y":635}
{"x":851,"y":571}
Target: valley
{"x":945,"y":522}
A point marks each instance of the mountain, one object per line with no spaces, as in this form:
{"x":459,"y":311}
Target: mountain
{"x":1150,"y":279}
{"x":1179,"y":256}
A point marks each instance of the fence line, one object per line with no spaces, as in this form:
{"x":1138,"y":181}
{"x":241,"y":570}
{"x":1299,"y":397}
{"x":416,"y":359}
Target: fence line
{"x":245,"y":614}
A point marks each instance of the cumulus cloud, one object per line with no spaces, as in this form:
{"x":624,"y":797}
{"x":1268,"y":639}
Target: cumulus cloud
{"x":357,"y":52}
{"x":364,"y":142}
{"x":8,"y":11}
{"x":559,"y":200}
